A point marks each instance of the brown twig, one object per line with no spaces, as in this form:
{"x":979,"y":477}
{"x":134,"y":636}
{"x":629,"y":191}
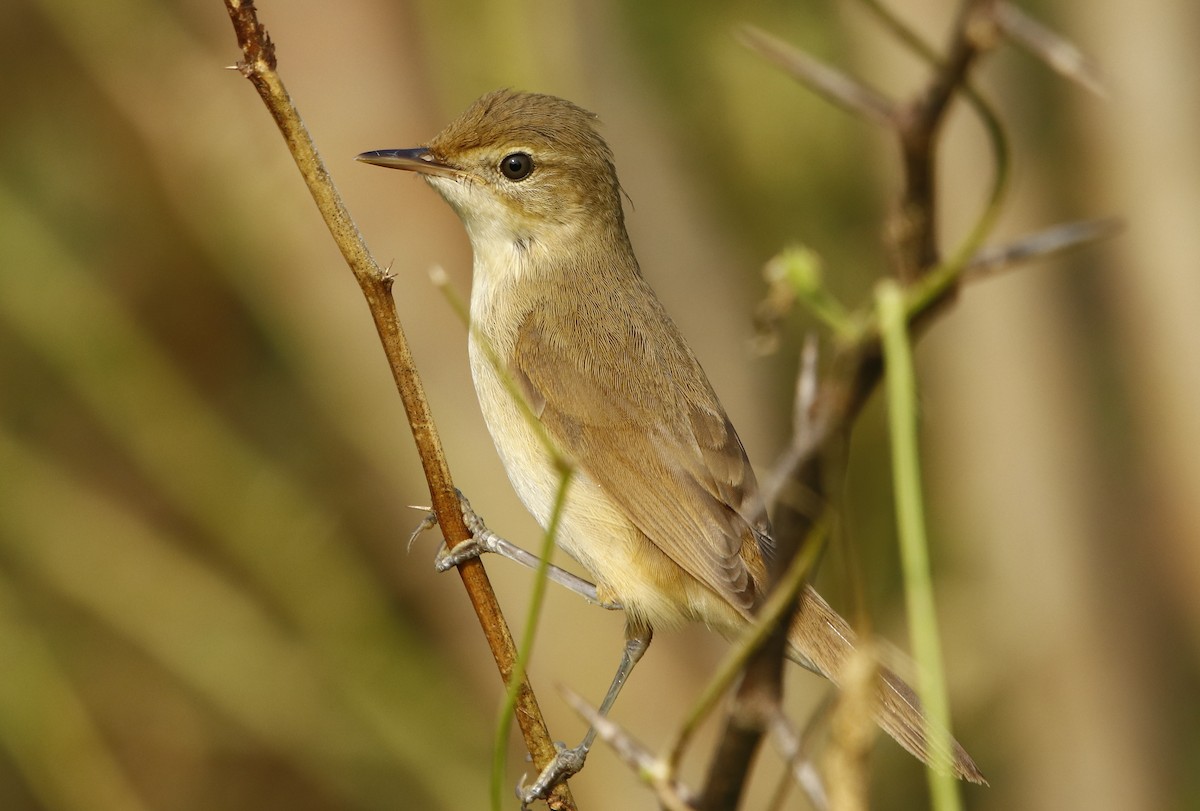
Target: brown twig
{"x":757,"y":699}
{"x":913,"y":230}
{"x":824,"y":423}
{"x":258,"y":65}
{"x":855,"y":368}
{"x":755,"y":704}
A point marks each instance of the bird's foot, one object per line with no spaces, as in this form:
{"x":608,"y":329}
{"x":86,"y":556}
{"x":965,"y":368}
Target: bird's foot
{"x":482,"y":539}
{"x":567,"y":762}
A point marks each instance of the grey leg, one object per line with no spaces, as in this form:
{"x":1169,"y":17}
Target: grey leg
{"x":569,"y":761}
{"x":484,"y":540}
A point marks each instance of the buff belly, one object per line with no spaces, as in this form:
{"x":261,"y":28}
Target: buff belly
{"x":628,"y":569}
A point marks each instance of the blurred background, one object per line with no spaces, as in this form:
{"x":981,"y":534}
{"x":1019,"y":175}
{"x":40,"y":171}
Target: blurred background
{"x":206,"y":600}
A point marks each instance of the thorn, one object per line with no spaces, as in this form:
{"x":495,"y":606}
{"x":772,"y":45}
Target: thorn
{"x":428,"y":522}
{"x":1040,"y":245}
{"x":1056,"y":51}
{"x":806,"y":386}
{"x":835,"y":86}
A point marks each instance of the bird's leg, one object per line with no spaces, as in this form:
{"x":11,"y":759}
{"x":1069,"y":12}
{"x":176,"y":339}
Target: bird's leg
{"x":484,"y":540}
{"x":569,"y":761}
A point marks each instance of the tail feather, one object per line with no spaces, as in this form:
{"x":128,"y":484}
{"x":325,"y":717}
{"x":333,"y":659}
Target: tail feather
{"x":822,"y":641}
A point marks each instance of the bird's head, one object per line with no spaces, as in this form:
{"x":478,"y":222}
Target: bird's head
{"x":519,"y":167}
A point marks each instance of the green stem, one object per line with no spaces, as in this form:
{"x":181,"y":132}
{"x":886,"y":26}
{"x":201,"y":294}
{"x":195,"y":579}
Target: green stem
{"x":914,"y":549}
{"x":528,"y":632}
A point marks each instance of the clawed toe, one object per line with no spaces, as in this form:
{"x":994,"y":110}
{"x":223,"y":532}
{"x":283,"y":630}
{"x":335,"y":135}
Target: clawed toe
{"x":448,"y":558}
{"x":482,"y":539}
{"x":428,"y":521}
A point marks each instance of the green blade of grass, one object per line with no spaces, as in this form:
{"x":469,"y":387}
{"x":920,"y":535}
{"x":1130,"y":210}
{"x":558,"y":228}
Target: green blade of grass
{"x":914,"y":551}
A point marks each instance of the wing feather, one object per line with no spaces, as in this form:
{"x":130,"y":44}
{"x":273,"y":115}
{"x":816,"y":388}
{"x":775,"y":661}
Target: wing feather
{"x":631,"y":405}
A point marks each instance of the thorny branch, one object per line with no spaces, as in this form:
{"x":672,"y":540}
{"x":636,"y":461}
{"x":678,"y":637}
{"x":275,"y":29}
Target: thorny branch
{"x":827,"y":408}
{"x":913,"y":234}
{"x":258,"y":65}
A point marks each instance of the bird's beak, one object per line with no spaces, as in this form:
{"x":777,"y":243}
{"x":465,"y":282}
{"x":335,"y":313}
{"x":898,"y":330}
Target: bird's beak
{"x":412,"y":160}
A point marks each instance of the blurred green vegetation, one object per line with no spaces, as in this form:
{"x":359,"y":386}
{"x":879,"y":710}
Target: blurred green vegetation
{"x":205,"y":596}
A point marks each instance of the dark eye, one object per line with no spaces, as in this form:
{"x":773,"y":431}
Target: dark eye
{"x":516,"y":166}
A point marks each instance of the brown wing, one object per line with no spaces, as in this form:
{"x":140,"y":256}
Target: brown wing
{"x":630,"y":404}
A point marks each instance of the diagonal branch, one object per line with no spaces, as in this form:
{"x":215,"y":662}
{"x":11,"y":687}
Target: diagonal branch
{"x":856,"y":367}
{"x":918,"y":124}
{"x":672,"y":794}
{"x":258,"y":65}
{"x":837,"y":88}
{"x":1063,"y":56}
{"x":1039,"y":245}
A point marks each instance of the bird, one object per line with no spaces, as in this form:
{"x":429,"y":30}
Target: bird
{"x":572,"y":353}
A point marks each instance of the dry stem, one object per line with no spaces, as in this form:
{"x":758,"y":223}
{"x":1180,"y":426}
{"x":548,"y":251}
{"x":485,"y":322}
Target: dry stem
{"x":258,"y":65}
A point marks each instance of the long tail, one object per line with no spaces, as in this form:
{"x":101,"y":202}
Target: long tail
{"x":821,"y":641}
